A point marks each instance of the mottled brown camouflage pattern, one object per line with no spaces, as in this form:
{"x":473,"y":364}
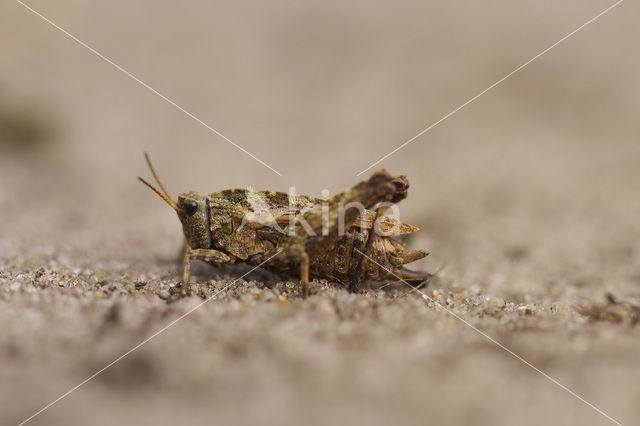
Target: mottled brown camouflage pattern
{"x":299,"y":235}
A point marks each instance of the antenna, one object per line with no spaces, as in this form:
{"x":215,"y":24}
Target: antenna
{"x":160,"y":194}
{"x":153,"y":172}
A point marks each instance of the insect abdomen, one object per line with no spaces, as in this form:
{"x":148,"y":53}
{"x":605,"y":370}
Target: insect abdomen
{"x":384,"y":259}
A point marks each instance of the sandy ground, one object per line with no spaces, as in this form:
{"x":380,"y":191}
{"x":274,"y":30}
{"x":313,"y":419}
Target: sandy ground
{"x":529,"y":196}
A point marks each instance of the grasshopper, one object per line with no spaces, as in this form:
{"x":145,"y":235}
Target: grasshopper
{"x":339,"y":238}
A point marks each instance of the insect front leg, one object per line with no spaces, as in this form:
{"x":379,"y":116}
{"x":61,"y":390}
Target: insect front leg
{"x":205,"y":255}
{"x":183,"y":250}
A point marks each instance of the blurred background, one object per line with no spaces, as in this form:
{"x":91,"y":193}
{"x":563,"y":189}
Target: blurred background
{"x":529,"y":194}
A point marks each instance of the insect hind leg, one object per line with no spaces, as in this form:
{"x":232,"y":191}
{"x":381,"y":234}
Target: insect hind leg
{"x":304,"y":273}
{"x":402,"y":186}
{"x":295,"y":254}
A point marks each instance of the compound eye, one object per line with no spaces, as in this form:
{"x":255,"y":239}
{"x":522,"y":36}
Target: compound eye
{"x":189,"y":206}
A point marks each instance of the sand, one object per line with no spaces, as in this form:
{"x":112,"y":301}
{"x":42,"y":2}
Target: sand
{"x":527,"y":200}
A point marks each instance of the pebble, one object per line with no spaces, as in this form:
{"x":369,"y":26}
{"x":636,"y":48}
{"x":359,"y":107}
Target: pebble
{"x":282,"y":300}
{"x":268,"y":296}
{"x":492,"y":304}
{"x":525,"y":310}
{"x":496,"y":302}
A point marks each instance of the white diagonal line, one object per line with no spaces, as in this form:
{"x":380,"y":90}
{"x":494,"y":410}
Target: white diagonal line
{"x":145,"y":341}
{"x":493,"y":85}
{"x":424,"y":296}
{"x":128,"y":74}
